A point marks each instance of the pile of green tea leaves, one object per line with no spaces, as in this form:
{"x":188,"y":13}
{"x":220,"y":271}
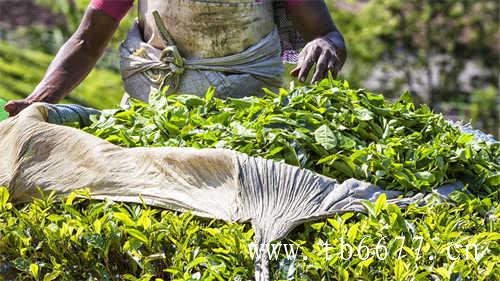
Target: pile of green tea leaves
{"x":328,"y":128}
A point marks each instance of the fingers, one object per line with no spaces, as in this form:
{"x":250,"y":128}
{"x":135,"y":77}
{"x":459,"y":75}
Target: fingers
{"x":307,"y":59}
{"x":321,"y":67}
{"x":14,"y":107}
{"x":327,"y":62}
{"x":334,"y":66}
{"x":306,"y":66}
{"x":295,"y":71}
{"x":331,"y":68}
{"x":325,"y":54}
{"x":11,"y":108}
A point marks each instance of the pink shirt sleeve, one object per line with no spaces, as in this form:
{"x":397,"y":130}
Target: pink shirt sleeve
{"x":116,"y":9}
{"x":292,"y":4}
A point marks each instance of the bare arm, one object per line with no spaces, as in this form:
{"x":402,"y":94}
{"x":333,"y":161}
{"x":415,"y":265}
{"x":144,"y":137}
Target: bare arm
{"x":325,"y":46}
{"x":73,"y":62}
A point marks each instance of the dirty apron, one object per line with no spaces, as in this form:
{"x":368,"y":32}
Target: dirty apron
{"x":190,"y":45}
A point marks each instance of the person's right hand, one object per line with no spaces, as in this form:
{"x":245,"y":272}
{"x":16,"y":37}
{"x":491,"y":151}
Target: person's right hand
{"x":16,"y":106}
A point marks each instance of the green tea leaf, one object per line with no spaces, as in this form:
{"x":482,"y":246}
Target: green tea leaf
{"x":380,"y":204}
{"x":137,"y":234}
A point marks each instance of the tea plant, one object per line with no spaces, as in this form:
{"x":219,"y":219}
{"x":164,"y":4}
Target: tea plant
{"x":81,"y":239}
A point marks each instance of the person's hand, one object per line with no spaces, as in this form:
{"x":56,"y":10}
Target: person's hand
{"x":16,"y":106}
{"x":327,"y":52}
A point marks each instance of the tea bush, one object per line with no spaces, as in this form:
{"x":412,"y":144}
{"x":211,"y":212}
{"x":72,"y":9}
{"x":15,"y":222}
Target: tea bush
{"x":81,"y":239}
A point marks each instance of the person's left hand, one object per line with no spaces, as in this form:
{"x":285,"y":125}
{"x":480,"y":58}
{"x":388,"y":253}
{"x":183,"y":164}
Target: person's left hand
{"x":327,"y":52}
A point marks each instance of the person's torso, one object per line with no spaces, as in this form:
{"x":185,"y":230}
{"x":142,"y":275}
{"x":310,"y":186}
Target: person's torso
{"x":207,"y":28}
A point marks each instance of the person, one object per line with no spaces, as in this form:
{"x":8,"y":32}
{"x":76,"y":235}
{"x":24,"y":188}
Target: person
{"x":185,"y":46}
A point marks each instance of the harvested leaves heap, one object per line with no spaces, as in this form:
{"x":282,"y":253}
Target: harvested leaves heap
{"x":329,"y":128}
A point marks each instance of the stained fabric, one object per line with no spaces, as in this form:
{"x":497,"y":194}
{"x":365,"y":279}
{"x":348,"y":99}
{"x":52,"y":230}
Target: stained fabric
{"x":214,"y":183}
{"x":145,"y":67}
{"x":291,"y":40}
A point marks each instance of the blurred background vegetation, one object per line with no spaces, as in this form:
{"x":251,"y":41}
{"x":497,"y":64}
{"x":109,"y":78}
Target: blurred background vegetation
{"x":446,"y":53}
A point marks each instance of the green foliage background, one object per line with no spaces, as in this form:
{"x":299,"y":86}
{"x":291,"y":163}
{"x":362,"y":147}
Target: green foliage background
{"x":25,"y":58}
{"x":22,"y":70}
{"x":407,"y":36}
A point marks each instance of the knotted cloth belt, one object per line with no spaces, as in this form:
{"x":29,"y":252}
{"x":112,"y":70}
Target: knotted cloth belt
{"x":165,"y":67}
